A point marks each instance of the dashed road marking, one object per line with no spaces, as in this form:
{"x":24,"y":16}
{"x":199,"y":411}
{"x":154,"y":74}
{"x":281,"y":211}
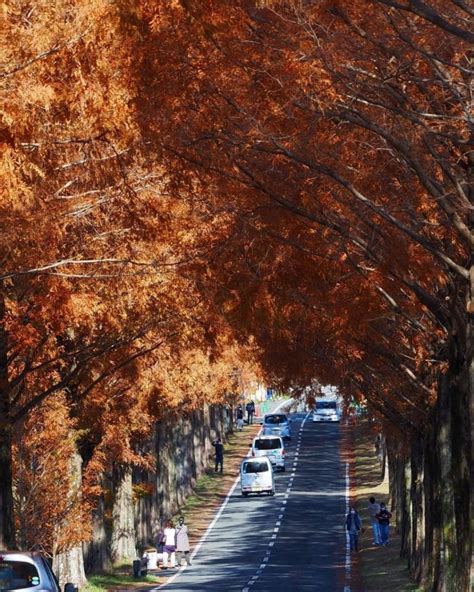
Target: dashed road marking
{"x":284,"y":502}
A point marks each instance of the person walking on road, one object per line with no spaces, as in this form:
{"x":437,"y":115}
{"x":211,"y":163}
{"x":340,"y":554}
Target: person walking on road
{"x":239,"y":418}
{"x":250,"y":407}
{"x":169,"y":545}
{"x":219,"y":447}
{"x":353,"y":526}
{"x":384,"y":517}
{"x":374,"y":509}
{"x":182,"y":542}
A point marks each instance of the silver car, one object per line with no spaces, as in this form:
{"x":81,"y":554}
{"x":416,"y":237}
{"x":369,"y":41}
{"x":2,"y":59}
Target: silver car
{"x":271,"y":446}
{"x":28,"y":572}
{"x":277,"y":424}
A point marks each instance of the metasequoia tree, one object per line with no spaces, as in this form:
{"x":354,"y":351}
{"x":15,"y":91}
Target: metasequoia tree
{"x":181,"y":175}
{"x":92,"y":245}
{"x":333,"y":139}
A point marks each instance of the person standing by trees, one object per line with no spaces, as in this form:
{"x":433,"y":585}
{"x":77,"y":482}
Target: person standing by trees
{"x":169,"y":548}
{"x":182,"y":542}
{"x":374,"y":509}
{"x":239,"y":418}
{"x":383,"y":518}
{"x":353,"y":526}
{"x":250,"y":407}
{"x":219,"y":448}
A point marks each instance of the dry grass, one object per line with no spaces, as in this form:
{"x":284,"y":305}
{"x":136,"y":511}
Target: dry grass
{"x":382,"y":568}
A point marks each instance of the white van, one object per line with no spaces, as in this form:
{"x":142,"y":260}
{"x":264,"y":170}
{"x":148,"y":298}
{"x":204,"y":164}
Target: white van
{"x":326,"y":410}
{"x":271,"y":446}
{"x":256,"y":476}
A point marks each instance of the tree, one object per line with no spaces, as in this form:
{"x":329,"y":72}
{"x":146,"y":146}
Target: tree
{"x":335,"y":140}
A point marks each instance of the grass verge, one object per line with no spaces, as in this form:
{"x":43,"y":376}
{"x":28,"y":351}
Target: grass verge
{"x":105,"y":582}
{"x":382,"y":569}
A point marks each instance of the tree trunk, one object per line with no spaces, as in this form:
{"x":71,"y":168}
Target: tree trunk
{"x":96,"y":552}
{"x":7,"y":529}
{"x":122,"y":544}
{"x":69,"y":567}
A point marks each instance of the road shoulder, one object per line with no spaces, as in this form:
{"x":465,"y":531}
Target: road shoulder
{"x":381,"y":568}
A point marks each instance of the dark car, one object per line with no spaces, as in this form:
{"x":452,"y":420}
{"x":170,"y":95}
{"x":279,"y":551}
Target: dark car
{"x":28,"y":572}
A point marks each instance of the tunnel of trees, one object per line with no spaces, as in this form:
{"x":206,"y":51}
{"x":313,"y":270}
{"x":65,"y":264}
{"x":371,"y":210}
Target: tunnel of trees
{"x":195,"y":186}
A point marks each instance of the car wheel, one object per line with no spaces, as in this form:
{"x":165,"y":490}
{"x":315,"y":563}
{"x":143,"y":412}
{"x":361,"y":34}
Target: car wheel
{"x":271,"y":492}
{"x":244,"y":493}
{"x":283,"y":469}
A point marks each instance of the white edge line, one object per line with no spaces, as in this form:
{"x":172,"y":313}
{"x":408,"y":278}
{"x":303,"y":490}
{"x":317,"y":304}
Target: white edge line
{"x":215,"y":519}
{"x":348,"y":553}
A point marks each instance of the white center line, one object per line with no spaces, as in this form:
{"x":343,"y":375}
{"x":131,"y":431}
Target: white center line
{"x":271,"y":543}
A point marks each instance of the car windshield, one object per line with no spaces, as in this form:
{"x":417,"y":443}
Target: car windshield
{"x":275,"y":419}
{"x":326,"y":405}
{"x":15,"y":575}
{"x":255,"y":467}
{"x":267,"y":443}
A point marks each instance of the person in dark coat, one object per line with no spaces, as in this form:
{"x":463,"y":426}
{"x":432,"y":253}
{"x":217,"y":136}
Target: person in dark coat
{"x":219,"y":447}
{"x":353,"y":527}
{"x":250,"y":407}
{"x":239,"y":418}
{"x":384,"y":517}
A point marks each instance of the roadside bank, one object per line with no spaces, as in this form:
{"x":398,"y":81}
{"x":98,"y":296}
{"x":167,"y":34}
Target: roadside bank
{"x":382,"y":568}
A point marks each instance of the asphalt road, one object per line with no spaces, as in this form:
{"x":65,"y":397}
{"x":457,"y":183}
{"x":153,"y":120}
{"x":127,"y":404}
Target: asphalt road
{"x":292,"y":541}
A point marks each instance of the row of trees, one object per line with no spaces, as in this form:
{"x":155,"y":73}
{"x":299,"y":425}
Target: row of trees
{"x":102,"y":332}
{"x":190,"y":184}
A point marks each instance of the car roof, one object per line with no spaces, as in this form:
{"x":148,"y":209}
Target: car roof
{"x":276,"y":415}
{"x":267,"y":437}
{"x":28,"y":556}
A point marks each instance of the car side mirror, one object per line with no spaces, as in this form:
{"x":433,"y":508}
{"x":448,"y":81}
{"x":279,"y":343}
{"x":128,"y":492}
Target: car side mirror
{"x":70,"y":588}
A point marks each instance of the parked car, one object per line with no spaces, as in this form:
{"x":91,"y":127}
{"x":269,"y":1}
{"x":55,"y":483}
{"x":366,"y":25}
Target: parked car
{"x":256,"y":476}
{"x":326,"y":410}
{"x":276,"y":424}
{"x":28,"y":572}
{"x":271,"y":446}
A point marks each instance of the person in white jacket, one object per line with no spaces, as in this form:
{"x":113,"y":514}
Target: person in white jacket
{"x":169,"y":545}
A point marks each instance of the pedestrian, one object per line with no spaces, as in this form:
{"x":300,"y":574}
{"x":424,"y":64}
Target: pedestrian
{"x":219,"y":447}
{"x":169,"y":545}
{"x":182,"y":542}
{"x":374,"y":509}
{"x":353,"y":526}
{"x":383,"y":518}
{"x":250,"y":407}
{"x":160,"y":541}
{"x":240,"y":418}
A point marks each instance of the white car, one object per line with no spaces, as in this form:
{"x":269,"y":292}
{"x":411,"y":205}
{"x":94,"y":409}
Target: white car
{"x":256,"y":476}
{"x":271,"y":446}
{"x":326,"y":411}
{"x":30,"y":572}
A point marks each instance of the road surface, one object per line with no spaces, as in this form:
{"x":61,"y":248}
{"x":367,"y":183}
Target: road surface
{"x":292,"y":541}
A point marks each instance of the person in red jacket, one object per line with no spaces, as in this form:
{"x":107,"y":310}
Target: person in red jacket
{"x":384,"y":517}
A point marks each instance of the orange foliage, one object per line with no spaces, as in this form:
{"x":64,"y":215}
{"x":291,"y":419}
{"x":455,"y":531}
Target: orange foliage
{"x":193,"y":187}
